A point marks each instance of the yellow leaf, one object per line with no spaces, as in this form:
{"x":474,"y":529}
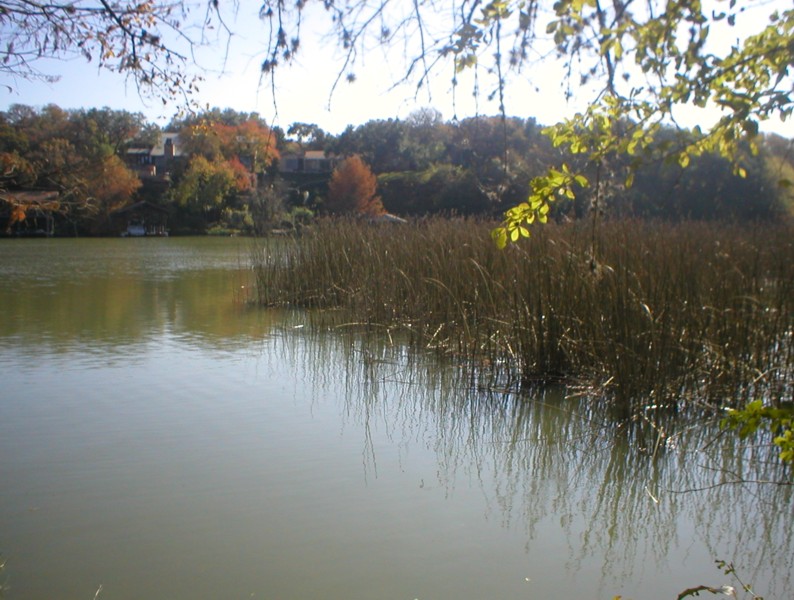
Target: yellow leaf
{"x":499,"y":236}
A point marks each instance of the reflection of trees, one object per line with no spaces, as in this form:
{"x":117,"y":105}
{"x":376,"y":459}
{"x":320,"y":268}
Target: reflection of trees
{"x":105,"y":295}
{"x":541,"y":459}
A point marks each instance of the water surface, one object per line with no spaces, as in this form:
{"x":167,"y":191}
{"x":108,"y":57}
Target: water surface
{"x":162,"y":439}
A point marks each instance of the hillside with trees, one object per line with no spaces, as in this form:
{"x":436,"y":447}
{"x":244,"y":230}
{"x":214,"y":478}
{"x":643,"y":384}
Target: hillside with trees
{"x":78,"y":156}
{"x":229,"y":172}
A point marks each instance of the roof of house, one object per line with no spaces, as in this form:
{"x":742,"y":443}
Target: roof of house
{"x":31,"y":197}
{"x":143,"y":204}
{"x":387,"y":218}
{"x":159,"y":147}
{"x":139,"y":150}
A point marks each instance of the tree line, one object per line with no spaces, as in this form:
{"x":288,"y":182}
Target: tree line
{"x":227,"y":176}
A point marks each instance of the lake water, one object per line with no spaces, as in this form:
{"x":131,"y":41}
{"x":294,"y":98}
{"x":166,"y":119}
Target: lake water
{"x":160,"y":439}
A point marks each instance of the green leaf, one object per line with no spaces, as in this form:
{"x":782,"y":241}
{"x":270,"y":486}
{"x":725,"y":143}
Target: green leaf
{"x":499,"y":236}
{"x":630,"y":179}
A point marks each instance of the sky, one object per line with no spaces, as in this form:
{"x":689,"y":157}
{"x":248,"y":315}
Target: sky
{"x":303,"y":89}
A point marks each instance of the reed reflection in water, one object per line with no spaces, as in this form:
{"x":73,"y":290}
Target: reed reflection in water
{"x":161,"y":439}
{"x":614,"y":512}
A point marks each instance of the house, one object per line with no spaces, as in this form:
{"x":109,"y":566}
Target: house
{"x":308,"y":161}
{"x":142,"y":219}
{"x":387,"y":218}
{"x":155,"y":162}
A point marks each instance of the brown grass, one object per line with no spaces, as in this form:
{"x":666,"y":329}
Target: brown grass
{"x":665,"y":313}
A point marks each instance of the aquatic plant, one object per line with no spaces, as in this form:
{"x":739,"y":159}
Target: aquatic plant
{"x":669,"y":316}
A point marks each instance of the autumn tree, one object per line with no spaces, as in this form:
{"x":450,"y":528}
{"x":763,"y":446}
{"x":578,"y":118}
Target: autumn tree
{"x":229,"y":135}
{"x":112,"y":183}
{"x":70,"y":152}
{"x":352,"y":189}
{"x":227,"y":154}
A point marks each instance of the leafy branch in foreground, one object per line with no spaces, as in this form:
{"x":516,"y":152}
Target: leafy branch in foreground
{"x":545,"y":189}
{"x":777,"y":419}
{"x":652,"y":63}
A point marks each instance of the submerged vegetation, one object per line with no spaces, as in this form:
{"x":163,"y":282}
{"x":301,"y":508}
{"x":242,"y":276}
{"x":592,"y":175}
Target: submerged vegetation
{"x":648,"y":316}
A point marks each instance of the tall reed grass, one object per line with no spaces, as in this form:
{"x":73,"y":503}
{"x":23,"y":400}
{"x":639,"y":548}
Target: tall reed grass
{"x":661,"y":314}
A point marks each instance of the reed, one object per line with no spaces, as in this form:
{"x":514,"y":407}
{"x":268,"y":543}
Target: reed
{"x":661,"y":314}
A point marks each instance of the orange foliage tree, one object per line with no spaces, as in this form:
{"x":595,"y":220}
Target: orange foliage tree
{"x":250,"y":142}
{"x":111,"y":184}
{"x":352,"y":189}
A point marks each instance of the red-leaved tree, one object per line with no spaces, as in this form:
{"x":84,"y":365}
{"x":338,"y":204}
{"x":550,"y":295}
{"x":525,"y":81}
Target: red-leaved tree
{"x":352,"y":189}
